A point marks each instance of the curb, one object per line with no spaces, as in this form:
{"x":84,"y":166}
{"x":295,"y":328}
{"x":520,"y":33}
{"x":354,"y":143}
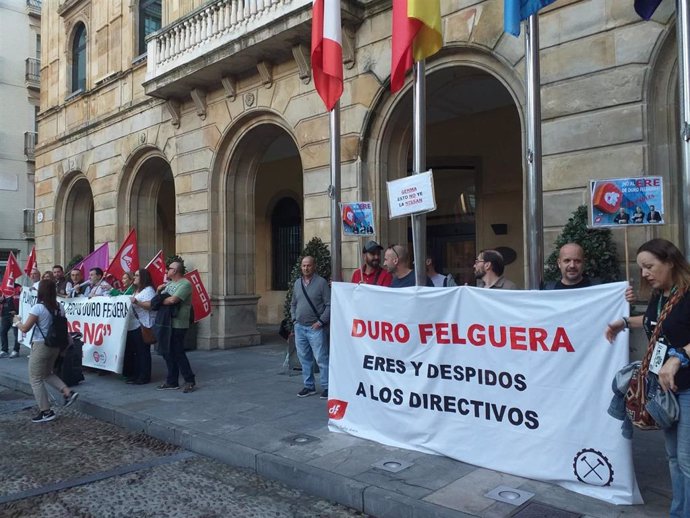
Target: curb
{"x":372,"y":500}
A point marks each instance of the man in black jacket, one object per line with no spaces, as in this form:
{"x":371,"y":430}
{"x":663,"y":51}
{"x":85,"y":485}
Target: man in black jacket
{"x":7,"y":311}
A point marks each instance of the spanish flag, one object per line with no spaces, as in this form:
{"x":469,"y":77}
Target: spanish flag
{"x":416,"y":35}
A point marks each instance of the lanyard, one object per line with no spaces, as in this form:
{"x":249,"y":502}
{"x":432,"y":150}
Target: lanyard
{"x":658,"y":304}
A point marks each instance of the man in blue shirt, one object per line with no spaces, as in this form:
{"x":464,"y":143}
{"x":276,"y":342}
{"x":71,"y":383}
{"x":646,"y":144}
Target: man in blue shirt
{"x":397,"y":261}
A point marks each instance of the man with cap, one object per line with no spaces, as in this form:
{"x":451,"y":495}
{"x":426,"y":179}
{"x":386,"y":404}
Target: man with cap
{"x":371,"y":271}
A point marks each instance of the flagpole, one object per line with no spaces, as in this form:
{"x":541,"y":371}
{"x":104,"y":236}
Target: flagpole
{"x":334,"y":193}
{"x":419,"y":166}
{"x":683,"y":26}
{"x":535,"y":210}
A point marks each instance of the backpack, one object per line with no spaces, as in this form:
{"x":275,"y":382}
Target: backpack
{"x":58,"y":332}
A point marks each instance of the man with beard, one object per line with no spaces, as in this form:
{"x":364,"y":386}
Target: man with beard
{"x":396,"y":259}
{"x":60,"y":280}
{"x":371,"y":271}
{"x":571,"y":263}
{"x":488,"y":270}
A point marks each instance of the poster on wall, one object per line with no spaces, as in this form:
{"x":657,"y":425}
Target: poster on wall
{"x":411,"y":195}
{"x":357,"y":218}
{"x":627,"y":201}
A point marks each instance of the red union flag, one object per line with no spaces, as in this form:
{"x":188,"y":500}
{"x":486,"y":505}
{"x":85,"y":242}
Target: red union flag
{"x":127,"y":257}
{"x":12,"y":272}
{"x":156,"y":269}
{"x":201,"y":302}
{"x":327,"y":51}
{"x":30,"y":261}
{"x":416,"y":35}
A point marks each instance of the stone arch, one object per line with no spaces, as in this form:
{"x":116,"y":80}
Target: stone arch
{"x":382,"y":151}
{"x":663,"y":129}
{"x":387,"y":141}
{"x":232,"y":183}
{"x":74,"y":214}
{"x":146,"y":197}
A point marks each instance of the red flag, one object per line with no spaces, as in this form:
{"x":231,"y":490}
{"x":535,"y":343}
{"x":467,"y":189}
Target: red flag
{"x":327,"y":51}
{"x":156,"y":269}
{"x":12,"y":272}
{"x":127,"y":257}
{"x":416,"y":35}
{"x":30,"y":261}
{"x":201,"y":302}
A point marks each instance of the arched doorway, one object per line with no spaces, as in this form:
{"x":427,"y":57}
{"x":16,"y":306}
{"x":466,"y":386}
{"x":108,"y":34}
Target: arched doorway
{"x":78,"y":224}
{"x":150,"y":202}
{"x":474,"y":142}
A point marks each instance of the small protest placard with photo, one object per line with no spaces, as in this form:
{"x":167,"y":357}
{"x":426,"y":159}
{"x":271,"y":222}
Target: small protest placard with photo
{"x":627,"y":201}
{"x":357,"y":218}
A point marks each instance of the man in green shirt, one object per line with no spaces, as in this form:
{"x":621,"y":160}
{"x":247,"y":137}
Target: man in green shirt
{"x":179,"y":290}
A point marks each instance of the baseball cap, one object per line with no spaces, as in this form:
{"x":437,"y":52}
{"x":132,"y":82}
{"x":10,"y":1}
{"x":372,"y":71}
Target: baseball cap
{"x":372,"y":246}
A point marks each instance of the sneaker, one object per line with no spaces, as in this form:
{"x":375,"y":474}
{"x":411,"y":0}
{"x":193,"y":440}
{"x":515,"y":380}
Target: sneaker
{"x":14,"y":354}
{"x":71,"y":398}
{"x":306,"y":392}
{"x":43,"y":416}
{"x":324,"y":394}
{"x":3,"y":354}
{"x":165,"y":386}
{"x":188,"y":387}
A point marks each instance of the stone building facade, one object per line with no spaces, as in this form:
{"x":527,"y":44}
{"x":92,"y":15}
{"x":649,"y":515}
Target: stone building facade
{"x":207,"y":135}
{"x":20,"y":55}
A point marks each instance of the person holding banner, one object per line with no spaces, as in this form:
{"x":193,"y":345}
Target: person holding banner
{"x":488,"y":270}
{"x":76,"y":286}
{"x":97,"y":286}
{"x":42,"y":357}
{"x":371,"y":271}
{"x":143,"y":316}
{"x":665,"y":269}
{"x":60,"y":280}
{"x":396,"y":259}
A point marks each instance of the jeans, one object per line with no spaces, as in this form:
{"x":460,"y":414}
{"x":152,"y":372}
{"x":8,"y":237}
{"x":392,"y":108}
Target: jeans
{"x":41,"y":364}
{"x":311,"y":343}
{"x":176,"y":359}
{"x":4,"y":330}
{"x":678,"y":451}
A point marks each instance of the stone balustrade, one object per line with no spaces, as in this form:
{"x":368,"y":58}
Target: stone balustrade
{"x":209,"y":28}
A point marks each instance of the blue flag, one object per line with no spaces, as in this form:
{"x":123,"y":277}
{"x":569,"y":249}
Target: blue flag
{"x":514,"y":11}
{"x":646,"y":8}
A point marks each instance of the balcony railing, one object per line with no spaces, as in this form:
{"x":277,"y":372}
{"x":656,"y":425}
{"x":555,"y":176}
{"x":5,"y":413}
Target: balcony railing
{"x":29,"y":224}
{"x":32,"y":72}
{"x":30,"y":138}
{"x":210,"y":32}
{"x":33,"y":7}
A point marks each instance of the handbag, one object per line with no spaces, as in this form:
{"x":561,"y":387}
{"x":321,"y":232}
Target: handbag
{"x":640,"y":390}
{"x":147,"y":334}
{"x":284,"y":329}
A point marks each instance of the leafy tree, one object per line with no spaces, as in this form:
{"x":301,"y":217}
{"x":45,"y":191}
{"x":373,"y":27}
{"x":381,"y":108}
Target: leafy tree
{"x":601,"y":261}
{"x":319,"y":251}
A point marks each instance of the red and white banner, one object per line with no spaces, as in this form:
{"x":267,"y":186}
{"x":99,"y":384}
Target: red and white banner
{"x":513,"y":381}
{"x":156,"y":269}
{"x":201,"y":302}
{"x":12,"y":273}
{"x":30,"y":262}
{"x":327,"y":51}
{"x":102,"y":321}
{"x":126,"y":259}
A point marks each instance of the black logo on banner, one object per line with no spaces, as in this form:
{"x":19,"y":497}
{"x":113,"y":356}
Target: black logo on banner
{"x":593,"y":468}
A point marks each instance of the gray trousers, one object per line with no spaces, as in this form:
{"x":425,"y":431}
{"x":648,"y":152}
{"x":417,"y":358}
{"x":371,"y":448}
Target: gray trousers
{"x":41,"y":364}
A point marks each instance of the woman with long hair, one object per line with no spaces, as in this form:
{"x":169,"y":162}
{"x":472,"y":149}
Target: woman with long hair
{"x":43,"y":357}
{"x":143,"y":316}
{"x":665,"y":270}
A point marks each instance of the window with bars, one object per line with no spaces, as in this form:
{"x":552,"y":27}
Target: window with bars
{"x":286,"y":233}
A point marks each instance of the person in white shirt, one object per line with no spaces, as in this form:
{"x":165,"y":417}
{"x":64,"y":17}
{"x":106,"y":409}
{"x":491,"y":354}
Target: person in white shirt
{"x":97,"y":286}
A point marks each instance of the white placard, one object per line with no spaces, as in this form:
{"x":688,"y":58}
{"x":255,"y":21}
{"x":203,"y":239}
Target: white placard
{"x":411,"y":195}
{"x":513,"y":381}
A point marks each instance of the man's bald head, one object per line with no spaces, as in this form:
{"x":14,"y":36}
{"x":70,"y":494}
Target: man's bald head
{"x":571,"y":263}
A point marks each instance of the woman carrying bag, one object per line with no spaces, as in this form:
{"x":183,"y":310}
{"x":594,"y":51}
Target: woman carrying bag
{"x":43,"y":357}
{"x":667,"y":272}
{"x":143,"y":318}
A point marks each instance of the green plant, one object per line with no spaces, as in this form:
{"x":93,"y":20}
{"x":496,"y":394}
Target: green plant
{"x":601,"y":260}
{"x":319,"y":251}
{"x":73,"y":262}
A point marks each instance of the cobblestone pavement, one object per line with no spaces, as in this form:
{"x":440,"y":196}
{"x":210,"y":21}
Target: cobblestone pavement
{"x":79,"y":467}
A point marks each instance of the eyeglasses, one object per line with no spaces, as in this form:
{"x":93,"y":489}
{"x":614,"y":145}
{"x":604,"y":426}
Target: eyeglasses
{"x":392,"y":249}
{"x":478,"y":260}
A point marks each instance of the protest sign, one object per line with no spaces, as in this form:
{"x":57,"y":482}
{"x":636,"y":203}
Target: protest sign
{"x":357,"y":218}
{"x":513,"y":381}
{"x":102,"y":321}
{"x":627,"y":201}
{"x":411,"y":195}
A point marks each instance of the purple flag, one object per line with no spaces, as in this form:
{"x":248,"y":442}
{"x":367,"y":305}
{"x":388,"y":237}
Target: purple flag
{"x":646,"y":8}
{"x":98,"y":258}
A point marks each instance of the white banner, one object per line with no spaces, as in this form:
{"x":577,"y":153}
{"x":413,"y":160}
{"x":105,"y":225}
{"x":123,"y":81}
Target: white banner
{"x":513,"y":381}
{"x":102,"y":321}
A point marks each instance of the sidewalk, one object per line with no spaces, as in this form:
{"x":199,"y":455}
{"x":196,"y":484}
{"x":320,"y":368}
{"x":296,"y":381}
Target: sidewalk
{"x":246,"y":413}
